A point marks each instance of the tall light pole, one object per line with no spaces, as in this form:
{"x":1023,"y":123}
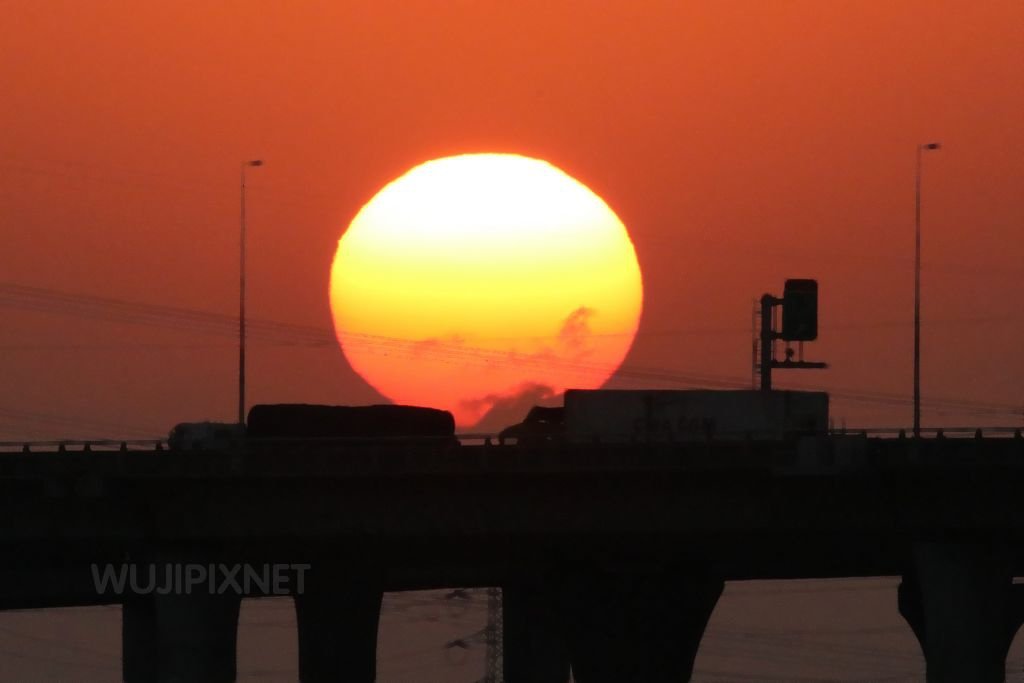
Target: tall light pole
{"x":917,"y":285}
{"x":241,"y":298}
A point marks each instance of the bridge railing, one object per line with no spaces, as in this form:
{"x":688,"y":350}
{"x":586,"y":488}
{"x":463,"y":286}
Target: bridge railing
{"x":84,"y":445}
{"x":108,"y":445}
{"x":932,"y":432}
{"x":474,"y":438}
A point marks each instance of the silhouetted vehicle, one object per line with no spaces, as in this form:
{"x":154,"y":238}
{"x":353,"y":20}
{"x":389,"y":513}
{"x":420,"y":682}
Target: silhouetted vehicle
{"x":612,"y":415}
{"x":542,"y":424}
{"x":195,"y":436}
{"x":303,"y":421}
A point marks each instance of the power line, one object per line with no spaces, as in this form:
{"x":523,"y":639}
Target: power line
{"x":65,"y":421}
{"x":106,"y":309}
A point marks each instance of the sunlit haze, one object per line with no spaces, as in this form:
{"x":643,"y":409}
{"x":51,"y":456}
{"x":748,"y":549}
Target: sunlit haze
{"x":473,"y":206}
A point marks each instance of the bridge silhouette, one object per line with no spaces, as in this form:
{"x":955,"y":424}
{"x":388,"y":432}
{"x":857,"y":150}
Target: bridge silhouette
{"x":611,"y":556}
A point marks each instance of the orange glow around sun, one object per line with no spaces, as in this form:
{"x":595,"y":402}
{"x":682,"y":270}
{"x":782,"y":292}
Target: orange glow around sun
{"x":485,"y":282}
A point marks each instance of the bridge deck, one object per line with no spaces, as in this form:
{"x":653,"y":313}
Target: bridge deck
{"x":449,"y":515}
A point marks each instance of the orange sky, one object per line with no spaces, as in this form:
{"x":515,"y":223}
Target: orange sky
{"x":741,"y":143}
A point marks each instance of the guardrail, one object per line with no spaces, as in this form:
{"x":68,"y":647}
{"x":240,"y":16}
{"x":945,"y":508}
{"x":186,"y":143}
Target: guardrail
{"x":82,"y":445}
{"x":483,"y":438}
{"x":108,"y":445}
{"x":932,"y":432}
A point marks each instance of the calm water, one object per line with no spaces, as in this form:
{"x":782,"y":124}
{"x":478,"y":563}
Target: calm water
{"x":835,"y":630}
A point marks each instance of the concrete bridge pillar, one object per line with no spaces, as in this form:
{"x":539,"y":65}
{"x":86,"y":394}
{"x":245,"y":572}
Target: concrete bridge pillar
{"x":139,"y":646}
{"x":962,"y":605}
{"x":637,"y":628}
{"x":177,"y":637}
{"x":534,"y":646}
{"x":197,"y":636}
{"x":337,"y":621}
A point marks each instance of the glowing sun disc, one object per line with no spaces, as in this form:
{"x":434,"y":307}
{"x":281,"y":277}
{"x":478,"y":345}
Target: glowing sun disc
{"x":482,"y":284}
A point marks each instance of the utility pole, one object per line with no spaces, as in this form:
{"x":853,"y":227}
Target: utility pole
{"x":241,"y":297}
{"x":917,"y":286}
{"x":494,"y":637}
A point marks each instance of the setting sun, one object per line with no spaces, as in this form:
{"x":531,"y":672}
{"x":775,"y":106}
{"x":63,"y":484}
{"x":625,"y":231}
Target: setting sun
{"x":484,"y":283}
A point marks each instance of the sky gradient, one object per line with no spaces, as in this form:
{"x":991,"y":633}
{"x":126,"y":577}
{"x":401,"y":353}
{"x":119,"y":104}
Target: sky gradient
{"x":740,"y":143}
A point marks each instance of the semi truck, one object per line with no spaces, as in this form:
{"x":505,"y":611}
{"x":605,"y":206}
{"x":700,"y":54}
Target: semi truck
{"x":669,"y":415}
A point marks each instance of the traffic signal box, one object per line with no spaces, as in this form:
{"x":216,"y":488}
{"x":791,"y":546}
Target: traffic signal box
{"x":800,"y":310}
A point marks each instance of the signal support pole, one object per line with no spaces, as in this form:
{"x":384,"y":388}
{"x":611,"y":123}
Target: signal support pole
{"x":793,"y":298}
{"x":767,"y":341}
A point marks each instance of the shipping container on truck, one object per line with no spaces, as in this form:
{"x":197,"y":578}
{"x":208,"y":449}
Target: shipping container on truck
{"x":305,"y":421}
{"x":621,"y":416}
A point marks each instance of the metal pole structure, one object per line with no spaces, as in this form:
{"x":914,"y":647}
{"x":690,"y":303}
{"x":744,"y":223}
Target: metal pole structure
{"x":755,"y":337}
{"x":494,"y":637}
{"x":767,"y":341}
{"x":241,"y":297}
{"x":917,"y":286}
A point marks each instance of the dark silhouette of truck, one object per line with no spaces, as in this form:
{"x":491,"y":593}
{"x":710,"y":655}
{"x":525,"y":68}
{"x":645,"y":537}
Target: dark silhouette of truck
{"x":541,"y":425}
{"x":380,"y":422}
{"x":197,"y":436}
{"x":652,"y":415}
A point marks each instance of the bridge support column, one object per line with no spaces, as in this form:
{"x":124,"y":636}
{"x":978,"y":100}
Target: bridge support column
{"x":139,"y":646}
{"x":337,"y":622}
{"x":534,"y":646}
{"x":637,"y":628}
{"x":964,"y":609}
{"x":197,"y":636}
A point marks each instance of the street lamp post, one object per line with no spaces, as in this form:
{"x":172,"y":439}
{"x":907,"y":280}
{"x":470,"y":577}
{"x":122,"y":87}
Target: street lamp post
{"x":917,"y":285}
{"x":241,"y":298}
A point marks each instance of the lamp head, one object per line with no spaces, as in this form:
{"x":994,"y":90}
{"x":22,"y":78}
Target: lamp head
{"x":930,"y":145}
{"x":254,"y":162}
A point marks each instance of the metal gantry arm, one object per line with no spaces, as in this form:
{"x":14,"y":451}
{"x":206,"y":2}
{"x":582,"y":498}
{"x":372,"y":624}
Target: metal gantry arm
{"x":765,"y":358}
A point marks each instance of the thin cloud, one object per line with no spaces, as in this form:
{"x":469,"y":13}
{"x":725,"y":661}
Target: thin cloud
{"x":501,"y":410}
{"x":576,"y":328}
